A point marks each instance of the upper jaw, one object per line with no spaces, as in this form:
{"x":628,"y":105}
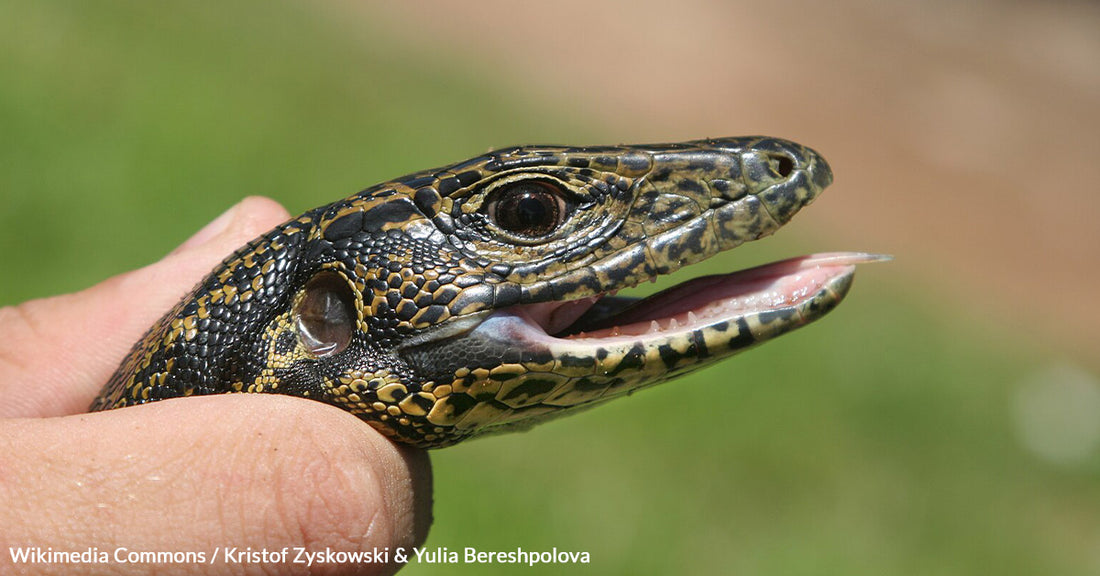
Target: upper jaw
{"x":695,"y":200}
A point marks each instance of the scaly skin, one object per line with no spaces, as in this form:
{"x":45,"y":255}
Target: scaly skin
{"x":440,"y":345}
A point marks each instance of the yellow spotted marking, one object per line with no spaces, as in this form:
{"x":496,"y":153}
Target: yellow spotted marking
{"x":507,"y":370}
{"x":484,"y":388}
{"x":389,"y":392}
{"x":443,"y":413}
{"x":409,"y":406}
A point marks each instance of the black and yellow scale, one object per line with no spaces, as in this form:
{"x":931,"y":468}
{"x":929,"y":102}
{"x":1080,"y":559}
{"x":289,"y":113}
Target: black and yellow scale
{"x":479,"y":296}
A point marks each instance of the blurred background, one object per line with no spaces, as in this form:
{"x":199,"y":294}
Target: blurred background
{"x":945,"y":419}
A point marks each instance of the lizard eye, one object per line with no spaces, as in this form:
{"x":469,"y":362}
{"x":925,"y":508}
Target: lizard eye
{"x":530,"y":208}
{"x":325,"y":316}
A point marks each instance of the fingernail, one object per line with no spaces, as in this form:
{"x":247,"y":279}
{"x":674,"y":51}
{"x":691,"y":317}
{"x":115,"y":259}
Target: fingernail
{"x":211,"y":230}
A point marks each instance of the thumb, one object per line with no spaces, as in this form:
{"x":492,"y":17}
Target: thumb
{"x":55,"y":353}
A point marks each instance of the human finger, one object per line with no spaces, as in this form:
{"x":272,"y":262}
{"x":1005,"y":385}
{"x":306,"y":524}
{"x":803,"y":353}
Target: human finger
{"x":202,"y":479}
{"x":55,"y":353}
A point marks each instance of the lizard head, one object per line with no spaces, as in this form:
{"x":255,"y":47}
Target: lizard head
{"x":480,"y":296}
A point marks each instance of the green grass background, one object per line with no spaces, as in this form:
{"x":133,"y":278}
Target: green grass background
{"x":879,"y":441}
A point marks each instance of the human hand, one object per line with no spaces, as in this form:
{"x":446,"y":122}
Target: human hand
{"x":203,"y":474}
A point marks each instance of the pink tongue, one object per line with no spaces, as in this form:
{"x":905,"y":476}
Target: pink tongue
{"x":765,"y":287}
{"x":726,"y":296}
{"x":770,"y":286}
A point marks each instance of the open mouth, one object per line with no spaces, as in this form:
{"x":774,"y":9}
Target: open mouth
{"x":533,"y":360}
{"x":779,"y":287}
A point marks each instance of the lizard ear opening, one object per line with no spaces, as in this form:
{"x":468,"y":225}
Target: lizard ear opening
{"x":325,"y":315}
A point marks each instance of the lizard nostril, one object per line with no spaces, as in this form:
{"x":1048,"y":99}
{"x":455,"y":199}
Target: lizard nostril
{"x":783,"y":164}
{"x":325,"y":316}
